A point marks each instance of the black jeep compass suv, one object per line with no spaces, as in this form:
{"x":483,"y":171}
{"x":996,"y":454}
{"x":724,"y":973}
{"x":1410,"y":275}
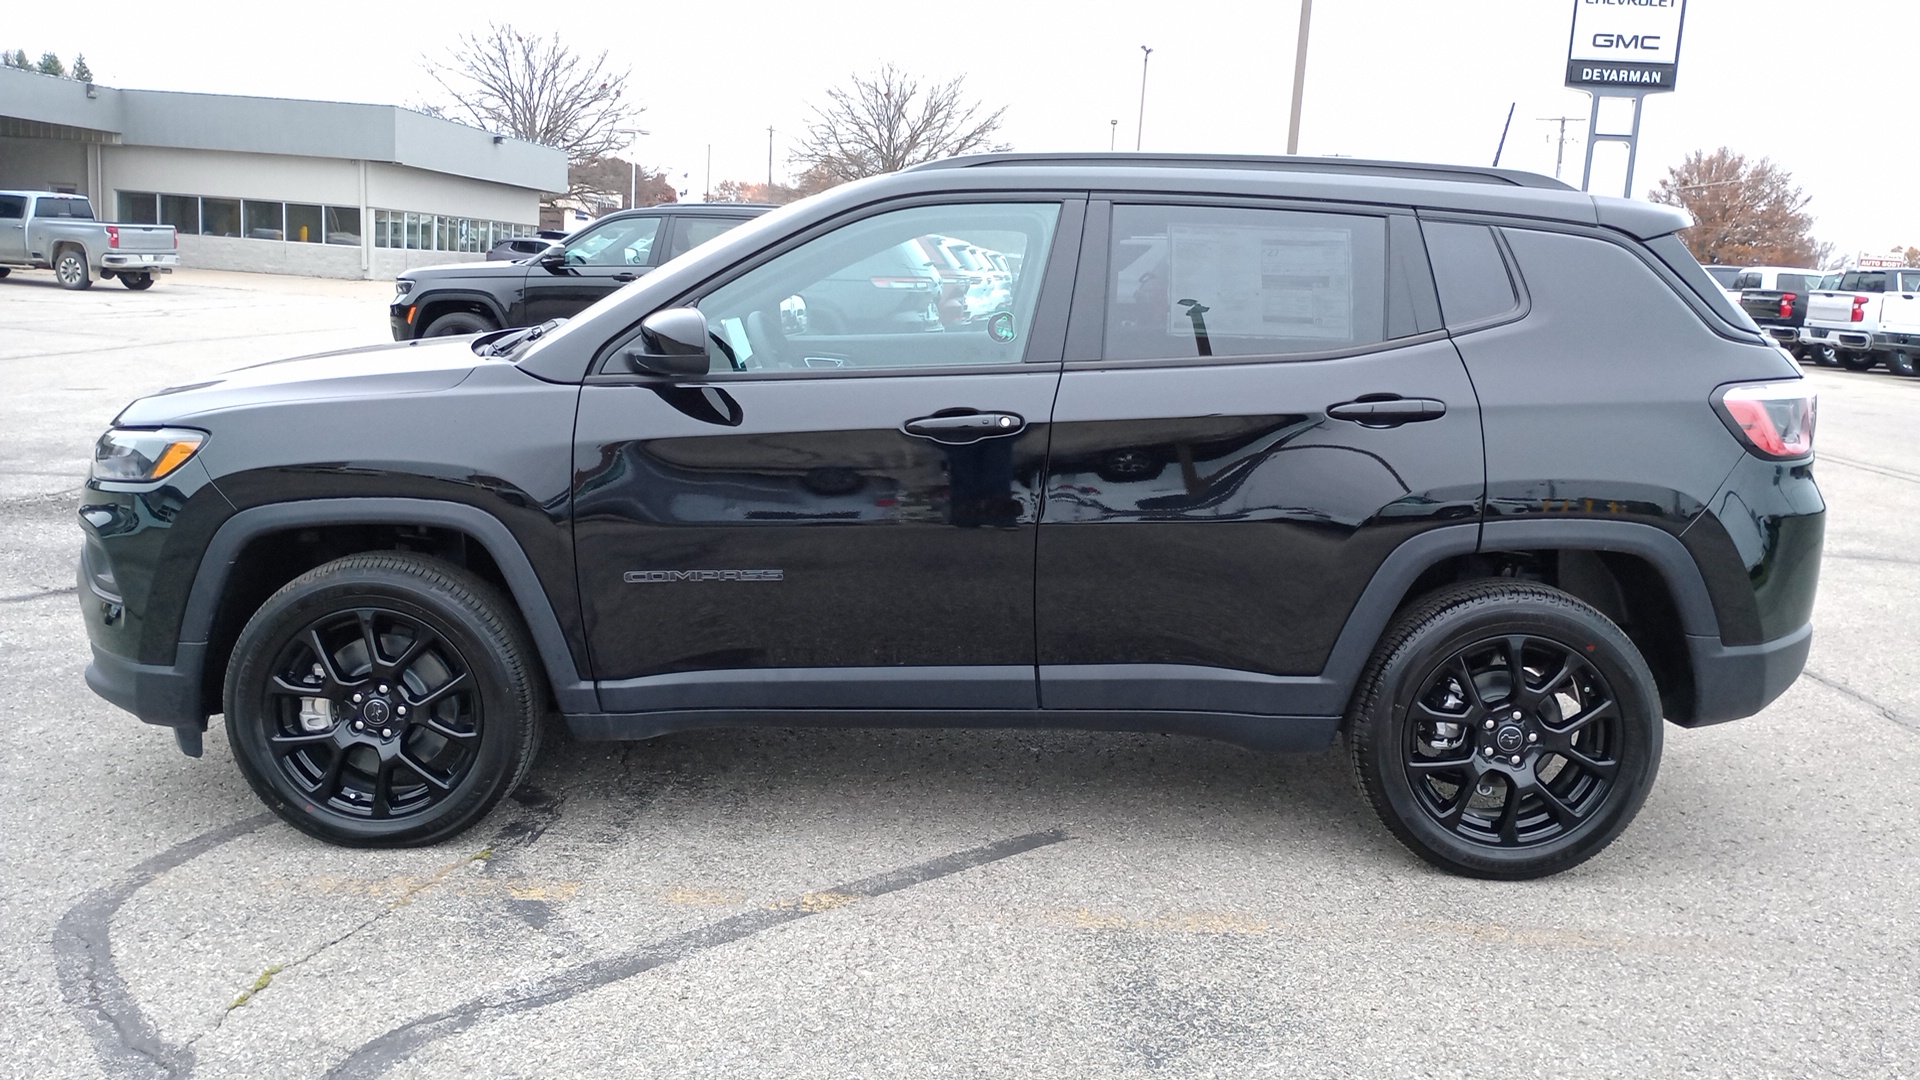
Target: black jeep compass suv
{"x":1476,"y":473}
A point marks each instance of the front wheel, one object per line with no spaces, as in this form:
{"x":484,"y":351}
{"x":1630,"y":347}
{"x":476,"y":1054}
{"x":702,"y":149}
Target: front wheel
{"x":1902,"y":362}
{"x":70,"y":270}
{"x":456,"y":323}
{"x":1505,"y":730}
{"x":137,"y":282}
{"x":383,"y":700}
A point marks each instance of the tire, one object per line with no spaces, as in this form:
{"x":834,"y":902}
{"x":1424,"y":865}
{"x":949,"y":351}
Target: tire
{"x":1902,"y":362}
{"x":70,"y":269}
{"x":455,"y":323}
{"x":362,"y":773}
{"x":1823,"y":355}
{"x":1858,"y":361}
{"x":4,"y":271}
{"x":137,"y":282}
{"x":1580,"y":778}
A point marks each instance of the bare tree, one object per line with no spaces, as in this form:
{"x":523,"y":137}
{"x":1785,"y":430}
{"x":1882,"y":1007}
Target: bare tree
{"x":1746,"y":213}
{"x":616,"y":179}
{"x":535,"y":88}
{"x":1913,"y":257}
{"x":887,"y":121}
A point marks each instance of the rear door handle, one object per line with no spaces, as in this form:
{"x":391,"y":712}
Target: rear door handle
{"x":960,"y":428}
{"x":1384,"y":412}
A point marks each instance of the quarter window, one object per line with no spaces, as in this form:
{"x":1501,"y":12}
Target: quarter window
{"x":891,"y":291}
{"x":1469,"y":272}
{"x":1189,"y":281}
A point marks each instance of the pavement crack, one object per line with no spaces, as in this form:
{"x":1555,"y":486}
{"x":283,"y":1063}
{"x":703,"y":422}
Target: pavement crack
{"x":124,"y":1039}
{"x":41,"y":595}
{"x":379,"y":1055}
{"x":1907,"y":722}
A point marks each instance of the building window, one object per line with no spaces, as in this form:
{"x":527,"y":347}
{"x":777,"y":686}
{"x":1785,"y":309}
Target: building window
{"x":139,"y":208}
{"x":265,"y":220}
{"x":220,"y":217}
{"x":303,"y":223}
{"x":343,"y":225}
{"x":182,"y":212}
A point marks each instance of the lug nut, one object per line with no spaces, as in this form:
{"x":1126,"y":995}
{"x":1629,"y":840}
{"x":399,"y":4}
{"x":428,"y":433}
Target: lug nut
{"x":358,"y":726}
{"x":1532,"y":736}
{"x":1515,"y":759}
{"x":1487,"y":750}
{"x":402,"y":710}
{"x":383,"y":689}
{"x":1488,"y":724}
{"x":387,"y":733}
{"x":357,"y":698}
{"x":1517,"y":714}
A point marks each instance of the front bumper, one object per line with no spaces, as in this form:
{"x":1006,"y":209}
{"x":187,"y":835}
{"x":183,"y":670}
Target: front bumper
{"x":400,"y":317}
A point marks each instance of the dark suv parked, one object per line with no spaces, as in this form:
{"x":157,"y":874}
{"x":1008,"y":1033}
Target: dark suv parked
{"x":558,"y":279}
{"x":1479,"y":471}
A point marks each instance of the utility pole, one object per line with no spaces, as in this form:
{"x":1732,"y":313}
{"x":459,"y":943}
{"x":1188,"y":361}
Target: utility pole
{"x":1299,"y":76}
{"x":1139,"y":132}
{"x":769,"y":160}
{"x":708,"y":196}
{"x":1560,"y":155}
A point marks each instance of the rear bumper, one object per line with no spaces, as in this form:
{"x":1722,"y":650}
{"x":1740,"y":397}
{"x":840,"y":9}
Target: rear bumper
{"x":1891,"y":341}
{"x":1840,"y":338}
{"x":1735,"y":681}
{"x":133,"y":260}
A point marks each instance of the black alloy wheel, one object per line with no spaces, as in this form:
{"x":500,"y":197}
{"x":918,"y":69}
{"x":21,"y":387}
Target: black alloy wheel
{"x":1506,"y":730}
{"x":382,"y":700}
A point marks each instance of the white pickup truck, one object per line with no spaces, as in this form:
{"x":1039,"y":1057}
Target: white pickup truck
{"x":1871,"y":317}
{"x":46,"y":230}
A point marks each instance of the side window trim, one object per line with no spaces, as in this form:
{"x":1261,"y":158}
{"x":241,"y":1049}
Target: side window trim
{"x":1045,"y":339}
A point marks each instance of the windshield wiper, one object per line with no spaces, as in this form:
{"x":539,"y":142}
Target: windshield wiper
{"x":504,"y":346}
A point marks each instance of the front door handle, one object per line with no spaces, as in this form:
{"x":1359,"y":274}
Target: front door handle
{"x":1383,"y":411}
{"x":625,"y":276}
{"x":962,"y":427}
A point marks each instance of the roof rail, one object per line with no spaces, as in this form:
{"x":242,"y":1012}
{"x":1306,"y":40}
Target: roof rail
{"x":1351,"y":166}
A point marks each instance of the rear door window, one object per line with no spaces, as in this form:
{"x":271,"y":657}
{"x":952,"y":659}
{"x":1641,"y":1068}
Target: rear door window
{"x":1475,"y":284}
{"x":691,"y":232}
{"x":1746,"y":281}
{"x":1190,"y":281}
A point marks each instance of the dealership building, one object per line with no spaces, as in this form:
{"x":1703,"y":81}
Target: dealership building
{"x":323,"y":188}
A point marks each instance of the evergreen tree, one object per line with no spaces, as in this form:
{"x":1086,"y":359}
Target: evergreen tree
{"x":51,"y":65}
{"x":80,"y":69}
{"x":18,"y":59}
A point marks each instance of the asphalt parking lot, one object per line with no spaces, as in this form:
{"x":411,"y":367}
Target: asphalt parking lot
{"x":944,"y":904}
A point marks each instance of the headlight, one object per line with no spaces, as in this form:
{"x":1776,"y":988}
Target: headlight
{"x":402,"y":287}
{"x":134,"y":455}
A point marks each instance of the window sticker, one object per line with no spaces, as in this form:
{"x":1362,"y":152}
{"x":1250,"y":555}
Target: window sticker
{"x":1000,"y":327}
{"x":1264,"y":283}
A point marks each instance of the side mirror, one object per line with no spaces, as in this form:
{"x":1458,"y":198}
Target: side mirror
{"x":553,"y":258}
{"x":673,"y":343}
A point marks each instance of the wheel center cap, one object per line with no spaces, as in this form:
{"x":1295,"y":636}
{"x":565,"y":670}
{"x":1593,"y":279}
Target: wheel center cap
{"x":1510,"y":739}
{"x":377,"y":711}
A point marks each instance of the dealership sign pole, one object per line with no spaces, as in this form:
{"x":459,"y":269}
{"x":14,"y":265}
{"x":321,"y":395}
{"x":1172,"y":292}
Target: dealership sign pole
{"x":1623,"y":49}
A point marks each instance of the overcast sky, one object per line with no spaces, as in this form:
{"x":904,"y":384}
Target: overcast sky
{"x":1823,"y":89}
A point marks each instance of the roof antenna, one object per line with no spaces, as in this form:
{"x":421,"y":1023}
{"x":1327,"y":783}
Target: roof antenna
{"x":1502,"y":148}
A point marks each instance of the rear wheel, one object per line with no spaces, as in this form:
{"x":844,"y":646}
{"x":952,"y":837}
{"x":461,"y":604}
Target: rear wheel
{"x":383,"y":700}
{"x":1505,"y":730}
{"x":70,"y":269}
{"x":4,"y":271}
{"x":455,"y":323}
{"x":1823,"y":355}
{"x":1858,"y":361}
{"x":137,"y":282}
{"x":1902,"y":363}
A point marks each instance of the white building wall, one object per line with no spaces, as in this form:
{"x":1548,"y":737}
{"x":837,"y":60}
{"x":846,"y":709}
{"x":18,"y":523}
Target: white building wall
{"x":243,"y":176}
{"x":396,"y":187}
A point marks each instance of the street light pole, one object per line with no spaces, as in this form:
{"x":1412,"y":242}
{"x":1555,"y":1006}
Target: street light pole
{"x":1113,"y":132}
{"x":1139,"y":131}
{"x":1299,"y":77}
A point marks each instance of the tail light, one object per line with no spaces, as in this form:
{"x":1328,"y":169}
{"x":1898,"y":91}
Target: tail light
{"x":1786,"y":304}
{"x":1774,"y":419}
{"x":1859,"y":309}
{"x":113,"y":236}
